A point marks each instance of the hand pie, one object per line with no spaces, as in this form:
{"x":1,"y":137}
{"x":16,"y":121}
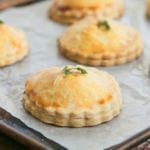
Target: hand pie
{"x":148,"y":8}
{"x":13,"y":45}
{"x":100,"y":42}
{"x":69,"y":11}
{"x":72,"y":96}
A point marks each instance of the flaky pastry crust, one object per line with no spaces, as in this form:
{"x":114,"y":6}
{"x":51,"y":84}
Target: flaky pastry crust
{"x":66,"y":11}
{"x":74,"y":100}
{"x":13,"y":45}
{"x":87,"y":43}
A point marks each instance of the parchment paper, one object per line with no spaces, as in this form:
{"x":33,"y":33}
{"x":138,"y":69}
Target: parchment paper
{"x":132,"y":77}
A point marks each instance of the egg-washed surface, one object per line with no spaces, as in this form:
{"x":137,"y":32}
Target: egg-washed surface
{"x":96,"y":42}
{"x":132,"y":78}
{"x":13,"y":44}
{"x":66,"y":11}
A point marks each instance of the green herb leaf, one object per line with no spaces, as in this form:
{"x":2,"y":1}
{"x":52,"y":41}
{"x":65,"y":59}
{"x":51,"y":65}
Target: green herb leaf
{"x":1,"y":22}
{"x":104,"y":24}
{"x":82,"y":70}
{"x":68,"y":70}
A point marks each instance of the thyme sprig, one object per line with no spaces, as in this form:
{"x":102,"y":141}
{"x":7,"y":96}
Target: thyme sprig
{"x":67,"y":70}
{"x":104,"y":24}
{"x":1,"y":22}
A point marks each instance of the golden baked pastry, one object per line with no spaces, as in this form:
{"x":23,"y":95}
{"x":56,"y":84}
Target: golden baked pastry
{"x":72,"y":96}
{"x":13,"y":45}
{"x":69,"y":11}
{"x":148,"y":8}
{"x":100,"y":42}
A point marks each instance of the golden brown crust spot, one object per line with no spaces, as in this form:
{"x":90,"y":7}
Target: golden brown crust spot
{"x":105,"y":100}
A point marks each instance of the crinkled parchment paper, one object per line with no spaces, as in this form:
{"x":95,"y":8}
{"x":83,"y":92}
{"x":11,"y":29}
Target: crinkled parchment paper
{"x":132,"y":77}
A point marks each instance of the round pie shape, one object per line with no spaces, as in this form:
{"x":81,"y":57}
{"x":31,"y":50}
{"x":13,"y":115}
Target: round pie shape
{"x":148,"y":8}
{"x":96,"y":42}
{"x":66,"y":11}
{"x":75,"y":99}
{"x":13,"y":45}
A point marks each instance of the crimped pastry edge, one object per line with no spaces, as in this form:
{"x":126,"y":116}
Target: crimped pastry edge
{"x":72,"y":16}
{"x":107,"y":59}
{"x":66,"y":118}
{"x":101,"y":62}
{"x":12,"y":60}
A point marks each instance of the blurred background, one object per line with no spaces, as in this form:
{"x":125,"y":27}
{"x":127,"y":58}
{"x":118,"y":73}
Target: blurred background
{"x":9,"y":3}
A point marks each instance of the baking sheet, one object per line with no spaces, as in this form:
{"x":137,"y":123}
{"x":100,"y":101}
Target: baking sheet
{"x":133,"y":78}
